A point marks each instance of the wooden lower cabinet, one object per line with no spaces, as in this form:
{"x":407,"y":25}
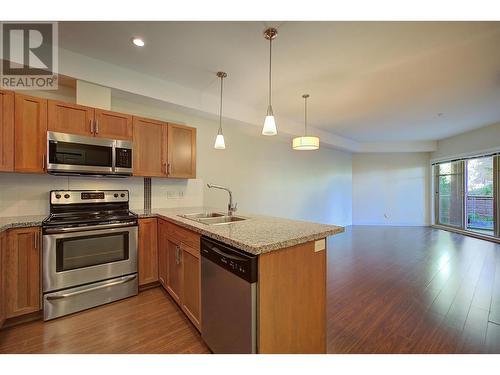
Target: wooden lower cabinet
{"x":174,"y":270}
{"x":162,"y":252}
{"x":191,"y":302}
{"x":2,"y":279}
{"x":148,"y":251}
{"x":21,"y":262}
{"x":179,"y":267}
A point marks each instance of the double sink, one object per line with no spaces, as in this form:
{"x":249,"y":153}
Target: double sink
{"x":213,"y":218}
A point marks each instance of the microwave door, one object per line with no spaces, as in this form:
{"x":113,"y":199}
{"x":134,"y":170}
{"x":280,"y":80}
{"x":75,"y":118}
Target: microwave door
{"x":72,"y":154}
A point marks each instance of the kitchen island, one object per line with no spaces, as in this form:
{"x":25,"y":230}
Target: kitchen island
{"x":291,"y":293}
{"x":291,"y":274}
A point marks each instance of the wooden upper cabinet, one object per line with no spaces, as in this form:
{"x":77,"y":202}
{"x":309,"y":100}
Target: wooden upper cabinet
{"x":181,"y":151}
{"x":21,"y":261}
{"x":148,"y":251}
{"x":70,"y":118}
{"x":6,"y":131}
{"x":113,"y":125}
{"x":30,"y":133}
{"x":149,"y":147}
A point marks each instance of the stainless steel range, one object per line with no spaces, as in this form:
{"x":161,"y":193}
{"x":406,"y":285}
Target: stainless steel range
{"x":89,"y":250}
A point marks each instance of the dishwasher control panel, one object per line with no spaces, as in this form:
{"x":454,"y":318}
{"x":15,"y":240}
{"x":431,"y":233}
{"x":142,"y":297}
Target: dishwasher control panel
{"x":234,"y":260}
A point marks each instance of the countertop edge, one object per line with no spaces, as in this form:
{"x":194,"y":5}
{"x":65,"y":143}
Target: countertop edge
{"x":256,"y":250}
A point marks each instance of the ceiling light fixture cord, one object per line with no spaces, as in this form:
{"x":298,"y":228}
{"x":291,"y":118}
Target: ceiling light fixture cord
{"x":270,"y":67}
{"x":305,"y":115}
{"x":220,"y":109}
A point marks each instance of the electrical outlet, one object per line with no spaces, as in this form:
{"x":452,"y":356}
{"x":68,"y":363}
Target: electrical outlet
{"x":181,"y":194}
{"x":172,"y":195}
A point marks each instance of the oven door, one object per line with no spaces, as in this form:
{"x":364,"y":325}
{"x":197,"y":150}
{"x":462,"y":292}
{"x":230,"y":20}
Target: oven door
{"x":75,"y":154}
{"x":77,"y":256}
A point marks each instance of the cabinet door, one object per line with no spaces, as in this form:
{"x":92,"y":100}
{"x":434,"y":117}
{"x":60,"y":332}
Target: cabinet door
{"x":148,"y":251}
{"x":70,"y":118}
{"x":162,"y":252}
{"x":148,"y":138}
{"x":181,"y":151}
{"x":191,"y":284}
{"x":2,"y":279}
{"x":113,"y":125}
{"x":6,"y":131}
{"x":30,"y":133}
{"x":22,"y":271}
{"x":174,"y":270}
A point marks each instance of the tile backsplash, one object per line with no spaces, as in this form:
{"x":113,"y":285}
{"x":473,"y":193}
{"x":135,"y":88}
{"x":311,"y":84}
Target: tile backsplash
{"x":27,"y":194}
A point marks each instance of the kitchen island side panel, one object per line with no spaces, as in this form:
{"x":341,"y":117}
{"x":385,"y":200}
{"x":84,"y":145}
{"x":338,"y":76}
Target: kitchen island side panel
{"x":292,"y":300}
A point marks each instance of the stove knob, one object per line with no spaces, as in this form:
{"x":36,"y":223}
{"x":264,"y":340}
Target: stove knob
{"x":115,"y":195}
{"x":122,"y":195}
{"x":66,"y":196}
{"x":58,"y":196}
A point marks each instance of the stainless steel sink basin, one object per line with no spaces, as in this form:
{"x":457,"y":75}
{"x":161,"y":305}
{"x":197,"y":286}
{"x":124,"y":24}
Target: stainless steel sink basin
{"x":221,"y":220}
{"x":200,"y":215}
{"x":212,"y":218}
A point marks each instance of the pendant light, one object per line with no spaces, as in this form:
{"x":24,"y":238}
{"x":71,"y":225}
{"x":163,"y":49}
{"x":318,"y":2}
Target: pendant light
{"x":269,"y":123}
{"x":219,"y":140}
{"x":306,"y":142}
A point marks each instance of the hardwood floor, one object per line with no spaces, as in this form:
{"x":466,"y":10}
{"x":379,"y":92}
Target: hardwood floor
{"x":412,"y":290}
{"x":390,"y":290}
{"x":148,"y":323}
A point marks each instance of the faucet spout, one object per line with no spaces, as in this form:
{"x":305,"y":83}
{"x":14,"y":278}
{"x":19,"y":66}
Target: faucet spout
{"x":230,"y":207}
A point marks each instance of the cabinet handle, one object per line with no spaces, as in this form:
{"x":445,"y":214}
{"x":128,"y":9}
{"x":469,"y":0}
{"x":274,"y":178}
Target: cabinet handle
{"x":96,"y":126}
{"x":35,"y":240}
{"x":43,"y":162}
{"x":91,"y":126}
{"x":169,"y":169}
{"x":164,"y":168}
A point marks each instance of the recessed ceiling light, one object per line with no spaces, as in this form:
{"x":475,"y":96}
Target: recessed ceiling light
{"x":138,"y":41}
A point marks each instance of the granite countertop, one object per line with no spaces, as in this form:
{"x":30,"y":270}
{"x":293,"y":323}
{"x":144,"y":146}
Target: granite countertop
{"x":21,"y":221}
{"x":257,"y":235}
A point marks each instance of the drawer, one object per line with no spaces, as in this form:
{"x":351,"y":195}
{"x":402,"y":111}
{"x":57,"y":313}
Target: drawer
{"x":185,"y":236}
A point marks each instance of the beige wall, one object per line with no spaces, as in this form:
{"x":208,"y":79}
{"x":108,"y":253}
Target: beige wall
{"x":266,"y":176}
{"x":469,"y":144}
{"x":391,"y":189}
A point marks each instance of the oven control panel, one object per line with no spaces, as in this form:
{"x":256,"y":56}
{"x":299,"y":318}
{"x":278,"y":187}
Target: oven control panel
{"x":88,"y":196}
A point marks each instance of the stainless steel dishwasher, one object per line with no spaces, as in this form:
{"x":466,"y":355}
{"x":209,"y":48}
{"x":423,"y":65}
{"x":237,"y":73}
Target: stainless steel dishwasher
{"x":228,"y":298}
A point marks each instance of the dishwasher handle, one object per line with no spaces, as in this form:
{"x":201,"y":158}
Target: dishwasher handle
{"x":225,"y":254}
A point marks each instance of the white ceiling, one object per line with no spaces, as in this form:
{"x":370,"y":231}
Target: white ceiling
{"x":368,"y":81}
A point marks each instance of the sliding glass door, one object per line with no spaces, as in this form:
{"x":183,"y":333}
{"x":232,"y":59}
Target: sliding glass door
{"x":466,"y":194}
{"x":479,"y":196}
{"x":449,"y":194}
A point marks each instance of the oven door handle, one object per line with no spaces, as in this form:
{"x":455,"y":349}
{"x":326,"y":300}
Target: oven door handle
{"x":123,"y":280}
{"x":90,"y":227}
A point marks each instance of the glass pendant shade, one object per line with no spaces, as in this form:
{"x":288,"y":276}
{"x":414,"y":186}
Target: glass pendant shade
{"x":219,"y":142}
{"x":305,"y":143}
{"x":269,"y":124}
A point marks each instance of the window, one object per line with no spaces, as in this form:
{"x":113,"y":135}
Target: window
{"x":449,"y":194}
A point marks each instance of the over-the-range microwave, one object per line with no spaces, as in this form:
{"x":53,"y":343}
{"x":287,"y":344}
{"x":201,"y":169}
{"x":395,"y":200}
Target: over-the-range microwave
{"x":70,"y":154}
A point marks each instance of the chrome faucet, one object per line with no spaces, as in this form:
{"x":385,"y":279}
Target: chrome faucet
{"x":230,"y":207}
